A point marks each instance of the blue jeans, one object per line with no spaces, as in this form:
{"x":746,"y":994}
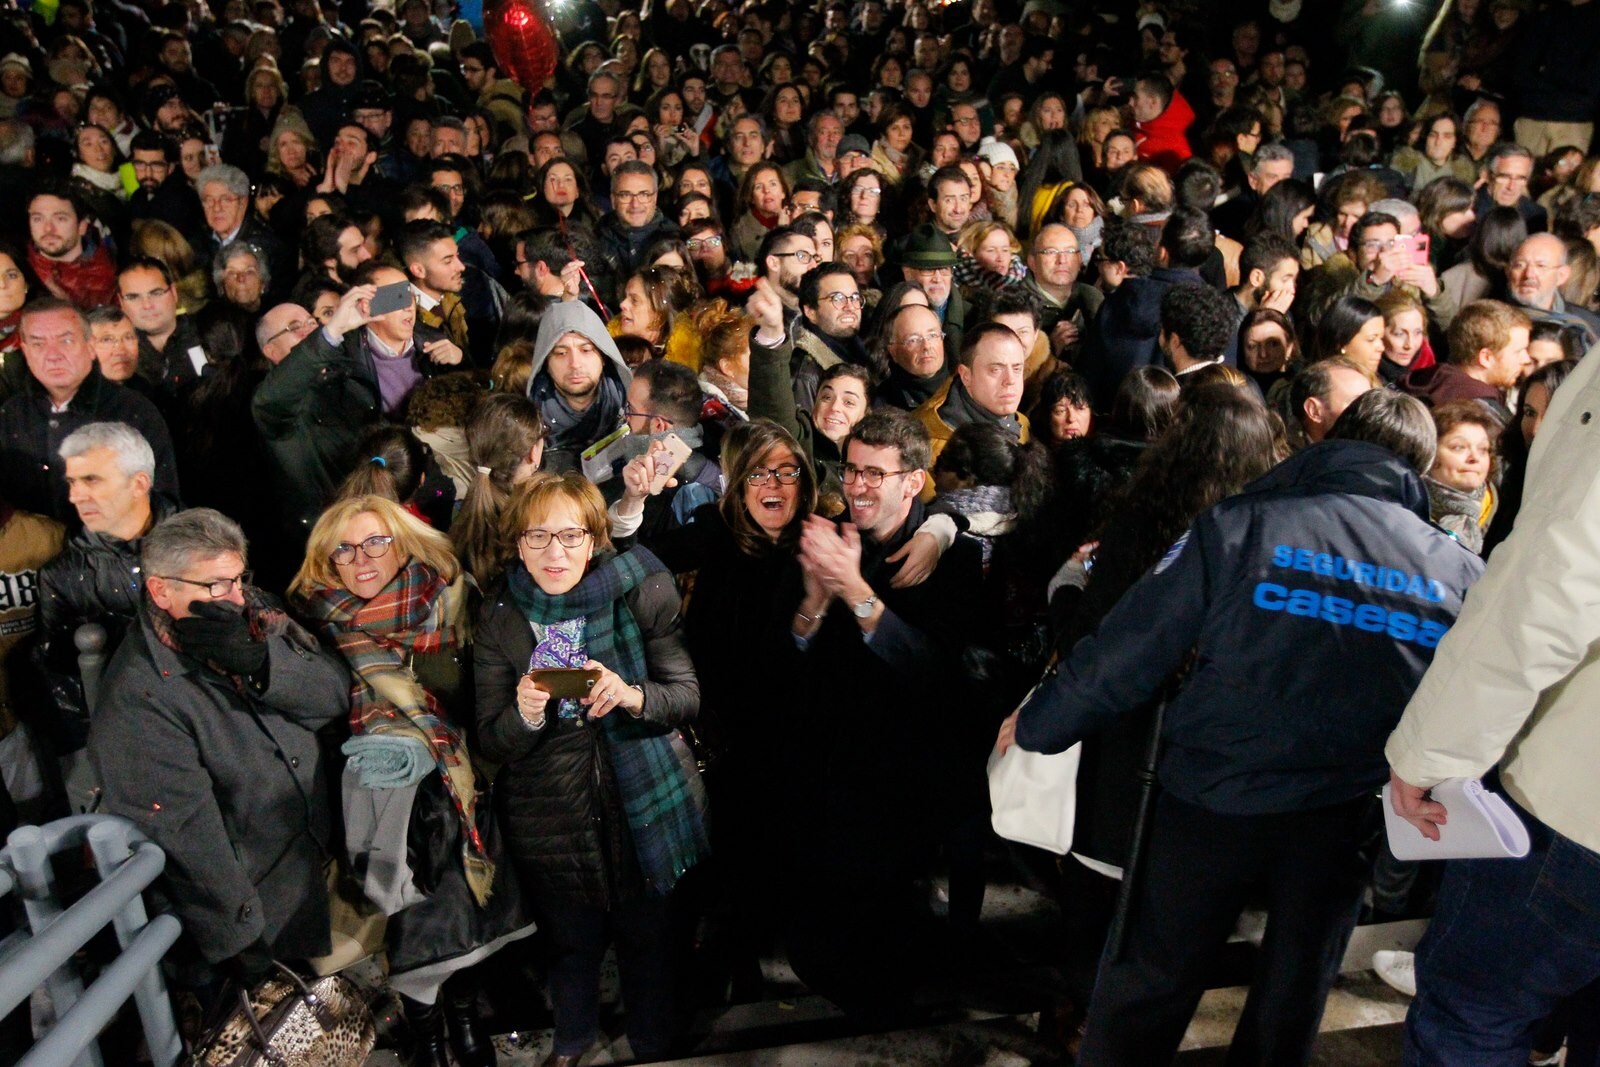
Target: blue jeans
{"x":1510,"y":940}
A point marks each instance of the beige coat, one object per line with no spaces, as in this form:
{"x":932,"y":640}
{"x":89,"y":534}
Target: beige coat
{"x":1516,"y":681}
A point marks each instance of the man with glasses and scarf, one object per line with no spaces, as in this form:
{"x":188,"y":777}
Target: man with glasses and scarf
{"x":205,"y":738}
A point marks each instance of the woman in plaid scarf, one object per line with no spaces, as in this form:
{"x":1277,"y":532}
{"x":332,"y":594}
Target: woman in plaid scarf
{"x":603,"y":806}
{"x":388,"y":593}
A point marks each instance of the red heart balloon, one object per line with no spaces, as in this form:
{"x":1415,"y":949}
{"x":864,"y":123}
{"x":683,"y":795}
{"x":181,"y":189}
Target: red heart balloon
{"x":524,"y":42}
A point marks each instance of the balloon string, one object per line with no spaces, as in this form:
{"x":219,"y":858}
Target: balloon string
{"x":573,"y":252}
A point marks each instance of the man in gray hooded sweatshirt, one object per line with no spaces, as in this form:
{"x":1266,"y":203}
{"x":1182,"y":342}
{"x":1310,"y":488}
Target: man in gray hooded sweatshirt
{"x":579,"y":382}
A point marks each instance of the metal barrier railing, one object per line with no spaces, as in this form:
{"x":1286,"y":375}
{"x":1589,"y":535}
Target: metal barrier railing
{"x":127,"y":863}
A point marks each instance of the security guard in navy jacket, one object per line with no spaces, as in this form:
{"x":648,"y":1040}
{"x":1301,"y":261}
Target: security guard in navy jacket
{"x":1313,"y":602}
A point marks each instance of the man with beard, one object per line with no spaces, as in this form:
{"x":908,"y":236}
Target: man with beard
{"x":728,"y":74}
{"x":433,"y":264}
{"x":352,"y":170}
{"x":747,"y":145}
{"x":949,"y":200}
{"x":328,"y":106}
{"x":826,"y":334}
{"x":164,"y":191}
{"x":74,"y":264}
{"x":579,"y":382}
{"x":333,"y":248}
{"x":821,"y":161}
{"x":176,"y":57}
{"x":784,"y":258}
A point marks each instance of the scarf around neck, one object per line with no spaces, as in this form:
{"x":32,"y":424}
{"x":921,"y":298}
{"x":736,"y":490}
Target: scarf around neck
{"x":961,"y":409}
{"x":661,"y":804}
{"x":106,"y":183}
{"x":399,"y":729}
{"x":571,"y":429}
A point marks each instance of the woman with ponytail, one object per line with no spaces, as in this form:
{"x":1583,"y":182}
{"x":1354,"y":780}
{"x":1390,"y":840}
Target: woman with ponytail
{"x":386,"y":591}
{"x":505,"y":442}
{"x":393,"y":464}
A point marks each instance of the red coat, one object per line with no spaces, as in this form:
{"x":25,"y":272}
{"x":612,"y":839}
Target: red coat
{"x":1164,"y":140}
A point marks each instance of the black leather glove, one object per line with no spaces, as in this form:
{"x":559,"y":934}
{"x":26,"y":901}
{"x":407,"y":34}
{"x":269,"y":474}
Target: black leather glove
{"x":251,"y":966}
{"x":220,"y":634}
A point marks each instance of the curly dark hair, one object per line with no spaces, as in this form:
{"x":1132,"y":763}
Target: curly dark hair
{"x":1221,"y":441}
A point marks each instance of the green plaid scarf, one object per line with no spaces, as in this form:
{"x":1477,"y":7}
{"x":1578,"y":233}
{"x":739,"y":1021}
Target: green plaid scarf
{"x":415,"y":614}
{"x":668,"y":828}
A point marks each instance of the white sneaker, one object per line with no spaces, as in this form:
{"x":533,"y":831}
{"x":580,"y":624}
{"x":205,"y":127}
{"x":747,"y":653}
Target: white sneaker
{"x":1397,"y":969}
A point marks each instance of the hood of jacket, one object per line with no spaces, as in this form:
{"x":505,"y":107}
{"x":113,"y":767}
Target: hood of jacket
{"x":1168,"y":130}
{"x":572,"y":316}
{"x":1353,"y":468}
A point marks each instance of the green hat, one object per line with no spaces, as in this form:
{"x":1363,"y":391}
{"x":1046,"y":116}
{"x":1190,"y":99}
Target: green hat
{"x":925,"y":248}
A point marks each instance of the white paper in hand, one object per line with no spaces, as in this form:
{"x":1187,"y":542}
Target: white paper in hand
{"x":1481,"y":826}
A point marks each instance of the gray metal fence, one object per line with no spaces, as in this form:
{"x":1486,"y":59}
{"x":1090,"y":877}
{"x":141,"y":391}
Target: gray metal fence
{"x":42,"y":955}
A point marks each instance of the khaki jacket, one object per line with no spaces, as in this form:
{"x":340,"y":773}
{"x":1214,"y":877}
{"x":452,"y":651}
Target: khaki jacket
{"x":1516,"y":681}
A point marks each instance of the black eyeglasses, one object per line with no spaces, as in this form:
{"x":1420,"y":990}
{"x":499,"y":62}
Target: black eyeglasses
{"x":803,"y":256}
{"x":787,"y":475}
{"x":571,"y":537}
{"x":217,"y":589}
{"x":871,"y":477}
{"x":374,"y":547}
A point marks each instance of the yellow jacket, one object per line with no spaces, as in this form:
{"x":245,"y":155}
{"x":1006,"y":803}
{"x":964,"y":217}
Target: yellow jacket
{"x":940,"y":432}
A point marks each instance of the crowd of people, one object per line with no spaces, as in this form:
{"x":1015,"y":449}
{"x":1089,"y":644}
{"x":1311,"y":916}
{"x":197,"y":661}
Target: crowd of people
{"x":564,"y":516}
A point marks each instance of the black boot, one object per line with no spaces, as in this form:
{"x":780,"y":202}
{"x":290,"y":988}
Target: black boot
{"x":469,"y":1039}
{"x":426,"y":1024}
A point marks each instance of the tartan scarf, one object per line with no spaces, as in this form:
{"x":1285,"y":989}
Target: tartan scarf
{"x":668,"y":829}
{"x":266,"y":620}
{"x":415,"y":614}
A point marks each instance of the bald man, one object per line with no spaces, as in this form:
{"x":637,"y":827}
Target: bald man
{"x":1534,"y":278}
{"x":280,"y":329}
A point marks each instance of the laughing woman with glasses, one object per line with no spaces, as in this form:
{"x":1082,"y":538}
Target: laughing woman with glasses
{"x":387,"y":592}
{"x":602,"y":812}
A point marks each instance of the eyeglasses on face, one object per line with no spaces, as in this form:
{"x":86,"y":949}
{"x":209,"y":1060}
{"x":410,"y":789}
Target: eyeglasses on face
{"x":1055,"y":253}
{"x":217,"y":589}
{"x":298,"y":324}
{"x":871,"y":477}
{"x":839,"y":300}
{"x":373,"y":547}
{"x":787,"y":475}
{"x":572,"y":537}
{"x":626,"y":197}
{"x":916,"y":341}
{"x":803,"y":256}
{"x":698,"y":243}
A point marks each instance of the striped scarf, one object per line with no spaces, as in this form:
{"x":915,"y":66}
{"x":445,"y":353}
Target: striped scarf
{"x":415,"y":614}
{"x":668,"y":828}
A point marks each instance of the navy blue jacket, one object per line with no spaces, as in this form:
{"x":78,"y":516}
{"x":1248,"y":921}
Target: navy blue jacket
{"x":1314,"y":601}
{"x":1125,"y":330}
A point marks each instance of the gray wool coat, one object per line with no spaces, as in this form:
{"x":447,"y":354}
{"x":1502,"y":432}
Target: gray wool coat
{"x":232,"y":787}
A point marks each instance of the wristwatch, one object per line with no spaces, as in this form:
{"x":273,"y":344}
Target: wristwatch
{"x":863,"y":610}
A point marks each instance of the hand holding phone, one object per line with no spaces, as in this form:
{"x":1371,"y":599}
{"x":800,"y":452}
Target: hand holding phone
{"x":563,"y":683}
{"x":666,"y":460}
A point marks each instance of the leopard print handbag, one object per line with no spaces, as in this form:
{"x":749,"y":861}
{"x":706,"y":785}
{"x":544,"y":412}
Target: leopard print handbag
{"x":284,"y":1022}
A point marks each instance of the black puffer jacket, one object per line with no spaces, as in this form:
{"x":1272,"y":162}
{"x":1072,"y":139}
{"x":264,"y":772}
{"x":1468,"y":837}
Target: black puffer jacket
{"x":558,"y":802}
